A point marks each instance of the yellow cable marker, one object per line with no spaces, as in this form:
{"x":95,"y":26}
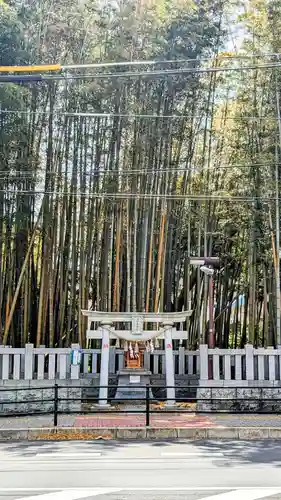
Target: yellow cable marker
{"x":225,"y":54}
{"x":20,"y":69}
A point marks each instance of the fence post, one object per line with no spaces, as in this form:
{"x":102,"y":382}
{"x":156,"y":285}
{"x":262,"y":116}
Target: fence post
{"x":146,"y":360}
{"x":147,"y":419}
{"x":271,"y":364}
{"x":181,"y":360}
{"x":75,"y":369}
{"x":28,"y":362}
{"x":56,"y":404}
{"x":62,"y":366}
{"x":203,"y":360}
{"x":112,"y":353}
{"x":5,"y":365}
{"x":249,"y":350}
{"x":261,"y":358}
{"x":41,"y":364}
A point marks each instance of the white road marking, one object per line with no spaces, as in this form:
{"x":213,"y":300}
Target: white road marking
{"x":116,"y":460}
{"x":272,"y":490}
{"x":87,"y":454}
{"x":101,"y":463}
{"x":209,"y":488}
{"x":253,"y":494}
{"x":175,"y":454}
{"x":72,"y":494}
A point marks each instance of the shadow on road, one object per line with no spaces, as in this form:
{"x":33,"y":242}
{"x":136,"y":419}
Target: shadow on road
{"x":234,"y":452}
{"x":247,"y":452}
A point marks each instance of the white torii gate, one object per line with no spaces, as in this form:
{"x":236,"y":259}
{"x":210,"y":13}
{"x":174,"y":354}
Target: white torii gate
{"x":137,"y":333}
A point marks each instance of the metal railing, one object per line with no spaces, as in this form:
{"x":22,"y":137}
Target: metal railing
{"x":204,"y":405}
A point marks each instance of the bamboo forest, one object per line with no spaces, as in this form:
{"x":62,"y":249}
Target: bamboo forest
{"x":158,"y":141}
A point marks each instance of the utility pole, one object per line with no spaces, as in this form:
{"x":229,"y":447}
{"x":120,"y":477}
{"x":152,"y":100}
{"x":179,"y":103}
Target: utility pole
{"x":207,"y":265}
{"x":278,"y":332}
{"x":211,"y":336}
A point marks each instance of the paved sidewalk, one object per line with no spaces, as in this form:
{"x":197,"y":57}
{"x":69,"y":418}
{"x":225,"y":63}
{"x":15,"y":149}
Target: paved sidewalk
{"x":187,"y":420}
{"x":166,"y":421}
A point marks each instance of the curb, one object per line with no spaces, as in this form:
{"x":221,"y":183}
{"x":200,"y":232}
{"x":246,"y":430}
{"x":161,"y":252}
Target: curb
{"x":146,"y":433}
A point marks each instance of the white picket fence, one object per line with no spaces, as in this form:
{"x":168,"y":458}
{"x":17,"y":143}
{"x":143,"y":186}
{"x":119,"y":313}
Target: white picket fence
{"x":228,"y":366}
{"x":236,"y":367}
{"x":43,"y":363}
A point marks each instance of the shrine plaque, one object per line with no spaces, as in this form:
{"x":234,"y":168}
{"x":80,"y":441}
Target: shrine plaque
{"x":134,"y":379}
{"x":137,"y":325}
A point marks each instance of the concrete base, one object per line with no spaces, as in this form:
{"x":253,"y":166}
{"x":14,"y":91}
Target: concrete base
{"x":41,"y":392}
{"x":148,"y":433}
{"x":239,"y":399}
{"x":132,"y":385}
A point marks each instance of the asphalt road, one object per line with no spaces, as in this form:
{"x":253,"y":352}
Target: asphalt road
{"x":198,"y":470}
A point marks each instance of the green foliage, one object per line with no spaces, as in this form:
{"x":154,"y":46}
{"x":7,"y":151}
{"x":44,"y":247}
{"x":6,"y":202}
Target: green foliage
{"x":105,"y":253}
{"x":11,"y":37}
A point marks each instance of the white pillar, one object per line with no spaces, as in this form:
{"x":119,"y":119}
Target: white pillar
{"x":249,"y":351}
{"x":104,"y":367}
{"x":203,"y":360}
{"x":28,"y":362}
{"x":75,"y":368}
{"x":169,"y":363}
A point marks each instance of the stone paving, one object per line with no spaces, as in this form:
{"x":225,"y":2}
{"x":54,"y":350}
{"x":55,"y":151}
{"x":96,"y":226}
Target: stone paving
{"x":167,"y":421}
{"x":250,"y":420}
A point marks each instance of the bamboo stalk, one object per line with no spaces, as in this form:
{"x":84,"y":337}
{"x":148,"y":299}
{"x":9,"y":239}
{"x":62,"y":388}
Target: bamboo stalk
{"x":21,"y":276}
{"x":159,"y":261}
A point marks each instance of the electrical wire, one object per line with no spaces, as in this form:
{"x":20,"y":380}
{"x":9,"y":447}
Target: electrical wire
{"x":67,"y":67}
{"x":164,"y":72}
{"x":125,"y":196}
{"x":128,"y":63}
{"x":223,"y":55}
{"x":133,"y":115}
{"x":131,"y":74}
{"x":5,"y":175}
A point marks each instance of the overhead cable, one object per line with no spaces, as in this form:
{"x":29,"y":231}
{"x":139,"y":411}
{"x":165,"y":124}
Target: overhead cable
{"x":134,"y":115}
{"x":139,"y":62}
{"x":131,"y":74}
{"x":222,"y":55}
{"x":13,"y":174}
{"x":124,"y":196}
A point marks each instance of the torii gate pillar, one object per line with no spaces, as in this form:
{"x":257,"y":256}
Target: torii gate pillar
{"x":104,"y":367}
{"x":169,"y":362}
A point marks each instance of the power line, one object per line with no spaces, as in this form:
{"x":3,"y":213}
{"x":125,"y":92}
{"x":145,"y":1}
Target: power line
{"x":96,"y":172}
{"x":59,"y":67}
{"x":128,"y":63}
{"x":125,"y":196}
{"x":221,"y":56}
{"x":164,"y":72}
{"x":138,"y":62}
{"x":131,"y":74}
{"x":67,"y":67}
{"x":17,"y":176}
{"x":133,"y":115}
